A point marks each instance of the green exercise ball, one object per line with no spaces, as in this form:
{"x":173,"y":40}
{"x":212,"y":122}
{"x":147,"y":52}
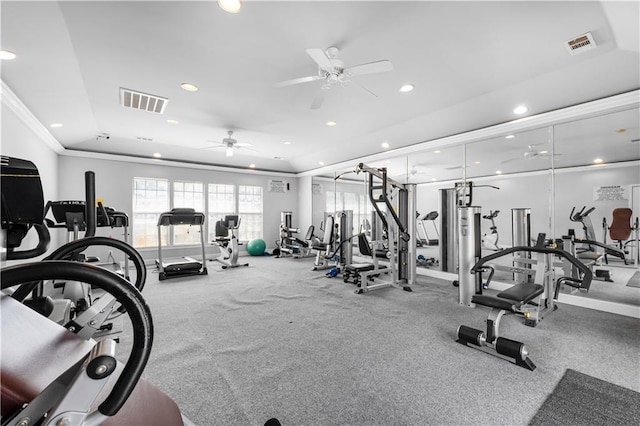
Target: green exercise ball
{"x":256,"y":247}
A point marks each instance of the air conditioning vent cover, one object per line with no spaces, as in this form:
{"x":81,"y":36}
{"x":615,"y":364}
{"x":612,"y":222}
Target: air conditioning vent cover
{"x":142,"y":101}
{"x":581,"y":44}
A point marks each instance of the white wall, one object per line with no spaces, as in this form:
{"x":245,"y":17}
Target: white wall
{"x":18,"y":140}
{"x":114,"y":181}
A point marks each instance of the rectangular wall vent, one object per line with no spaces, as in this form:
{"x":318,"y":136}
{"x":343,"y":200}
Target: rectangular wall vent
{"x":142,"y":101}
{"x":581,"y":44}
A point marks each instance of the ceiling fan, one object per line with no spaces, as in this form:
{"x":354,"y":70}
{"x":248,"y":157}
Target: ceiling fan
{"x":332,"y":71}
{"x":532,"y":154}
{"x":230,"y":144}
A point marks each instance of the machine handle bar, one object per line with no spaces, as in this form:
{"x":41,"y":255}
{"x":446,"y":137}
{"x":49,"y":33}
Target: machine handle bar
{"x":587,"y":275}
{"x":125,"y":293}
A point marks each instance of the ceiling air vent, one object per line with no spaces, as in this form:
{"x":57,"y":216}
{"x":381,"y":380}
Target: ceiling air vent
{"x":581,"y":44}
{"x":143,"y":101}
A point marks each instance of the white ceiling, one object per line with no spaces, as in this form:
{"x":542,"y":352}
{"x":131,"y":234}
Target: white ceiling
{"x":471,"y":63}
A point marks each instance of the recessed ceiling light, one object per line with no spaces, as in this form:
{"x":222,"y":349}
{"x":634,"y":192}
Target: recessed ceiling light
{"x":621,"y":130}
{"x":189,"y":87}
{"x":157,"y":155}
{"x":520,"y":109}
{"x":252,"y":166}
{"x":388,"y":162}
{"x":433,"y":179}
{"x":170,"y":121}
{"x":436,"y":152}
{"x":331,"y":123}
{"x":7,"y":55}
{"x":407,"y":88}
{"x":231,"y":6}
{"x":321,"y":163}
{"x":476,"y":162}
{"x":55,"y":125}
{"x":287,"y":143}
{"x":498,"y":172}
{"x":510,"y":136}
{"x":544,"y":152}
{"x":598,"y":160}
{"x":385,"y":145}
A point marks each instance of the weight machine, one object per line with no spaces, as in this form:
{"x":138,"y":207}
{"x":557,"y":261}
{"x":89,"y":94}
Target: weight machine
{"x":397,"y":230}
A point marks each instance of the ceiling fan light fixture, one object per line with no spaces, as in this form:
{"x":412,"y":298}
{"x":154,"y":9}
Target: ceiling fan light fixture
{"x":231,"y":6}
{"x":228,"y":151}
{"x":55,"y":125}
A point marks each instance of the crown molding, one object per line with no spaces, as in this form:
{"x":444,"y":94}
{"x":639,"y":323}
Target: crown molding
{"x":11,"y":100}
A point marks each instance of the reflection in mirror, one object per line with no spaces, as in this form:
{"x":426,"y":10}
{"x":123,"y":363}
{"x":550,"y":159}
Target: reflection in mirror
{"x":597,"y":181}
{"x":323,"y":189}
{"x":512,"y":186}
{"x":435,"y":171}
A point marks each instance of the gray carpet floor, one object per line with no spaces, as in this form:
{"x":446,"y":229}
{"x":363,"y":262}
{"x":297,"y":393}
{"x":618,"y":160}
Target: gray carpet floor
{"x":276,"y":339}
{"x":635,"y":280}
{"x":582,"y":400}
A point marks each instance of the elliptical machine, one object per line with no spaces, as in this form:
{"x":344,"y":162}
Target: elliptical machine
{"x":490,"y":240}
{"x":228,"y":245}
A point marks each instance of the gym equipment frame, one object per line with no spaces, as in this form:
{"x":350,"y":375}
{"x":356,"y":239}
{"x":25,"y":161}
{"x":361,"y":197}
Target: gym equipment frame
{"x":531,"y":300}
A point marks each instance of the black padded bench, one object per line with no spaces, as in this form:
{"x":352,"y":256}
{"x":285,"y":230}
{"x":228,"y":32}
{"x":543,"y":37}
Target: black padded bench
{"x":512,"y":298}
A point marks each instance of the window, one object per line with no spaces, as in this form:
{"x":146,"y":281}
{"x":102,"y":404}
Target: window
{"x":150,"y":198}
{"x":222,"y":201}
{"x":250,"y":211}
{"x":187,"y":195}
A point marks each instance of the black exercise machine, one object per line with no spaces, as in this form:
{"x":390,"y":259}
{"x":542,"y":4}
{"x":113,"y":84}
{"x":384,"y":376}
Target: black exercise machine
{"x":187,"y":265}
{"x":532,"y":300}
{"x":52,"y":374}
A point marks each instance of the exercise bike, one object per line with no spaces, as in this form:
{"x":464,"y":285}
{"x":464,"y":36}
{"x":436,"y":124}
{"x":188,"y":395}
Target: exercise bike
{"x":490,"y":240}
{"x":228,"y":246}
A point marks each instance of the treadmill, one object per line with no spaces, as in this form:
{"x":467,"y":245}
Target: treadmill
{"x":186,"y":265}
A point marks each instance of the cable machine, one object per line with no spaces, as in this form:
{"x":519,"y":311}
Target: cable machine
{"x":397,"y":227}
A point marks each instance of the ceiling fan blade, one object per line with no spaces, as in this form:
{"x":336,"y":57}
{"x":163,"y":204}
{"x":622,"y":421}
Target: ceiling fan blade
{"x":320,"y":58}
{"x":242,"y":144}
{"x":319,"y":99}
{"x":298,"y":81}
{"x":370,"y":68}
{"x":365,"y":89}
